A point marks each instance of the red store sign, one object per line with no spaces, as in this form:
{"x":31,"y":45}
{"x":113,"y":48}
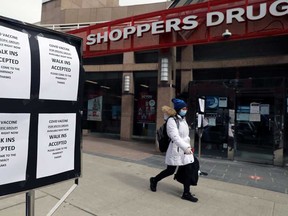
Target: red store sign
{"x":191,"y":24}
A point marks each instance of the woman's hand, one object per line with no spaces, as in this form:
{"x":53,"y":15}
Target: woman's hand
{"x":188,"y":151}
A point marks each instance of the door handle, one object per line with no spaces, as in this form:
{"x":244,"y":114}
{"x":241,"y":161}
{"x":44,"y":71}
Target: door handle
{"x":270,"y":124}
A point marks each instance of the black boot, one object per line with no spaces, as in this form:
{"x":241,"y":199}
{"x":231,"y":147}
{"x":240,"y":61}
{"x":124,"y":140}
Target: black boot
{"x":203,"y":173}
{"x":153,"y":184}
{"x":189,"y":197}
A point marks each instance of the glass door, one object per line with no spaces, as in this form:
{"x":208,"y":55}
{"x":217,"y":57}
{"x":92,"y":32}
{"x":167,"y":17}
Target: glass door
{"x":257,"y":126}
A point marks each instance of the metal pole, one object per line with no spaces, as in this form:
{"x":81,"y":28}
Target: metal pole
{"x":199,"y":150}
{"x":30,"y":203}
{"x":200,"y":132}
{"x":52,"y":211}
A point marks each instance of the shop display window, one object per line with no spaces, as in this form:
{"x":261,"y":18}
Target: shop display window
{"x":145,"y":104}
{"x":102,"y":102}
{"x":258,"y":130}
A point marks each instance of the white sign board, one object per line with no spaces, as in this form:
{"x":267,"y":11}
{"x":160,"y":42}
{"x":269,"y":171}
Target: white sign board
{"x":56,"y":143}
{"x":14,"y":129}
{"x":15,"y":64}
{"x":59,"y":70}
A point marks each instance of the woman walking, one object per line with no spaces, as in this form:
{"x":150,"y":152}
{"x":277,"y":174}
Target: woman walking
{"x":179,"y":152}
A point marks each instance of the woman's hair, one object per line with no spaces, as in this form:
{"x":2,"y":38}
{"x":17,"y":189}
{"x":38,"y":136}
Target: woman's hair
{"x":168,"y":110}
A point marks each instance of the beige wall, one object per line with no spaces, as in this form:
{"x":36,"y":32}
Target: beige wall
{"x":79,"y":11}
{"x":78,"y":4}
{"x":51,"y":12}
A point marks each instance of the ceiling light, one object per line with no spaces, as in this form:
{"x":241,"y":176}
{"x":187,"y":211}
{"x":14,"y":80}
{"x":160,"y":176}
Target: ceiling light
{"x":145,"y":86}
{"x":90,"y":81}
{"x":105,"y":87}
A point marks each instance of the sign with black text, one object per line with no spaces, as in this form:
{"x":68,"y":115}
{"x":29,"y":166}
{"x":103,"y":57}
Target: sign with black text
{"x":59,"y":67}
{"x":56,"y":140}
{"x":13,"y":146}
{"x":15,"y":61}
{"x":41,"y":85}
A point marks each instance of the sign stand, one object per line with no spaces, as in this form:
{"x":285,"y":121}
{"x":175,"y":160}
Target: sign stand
{"x":52,"y":211}
{"x":200,"y":132}
{"x":200,"y":122}
{"x":30,"y":203}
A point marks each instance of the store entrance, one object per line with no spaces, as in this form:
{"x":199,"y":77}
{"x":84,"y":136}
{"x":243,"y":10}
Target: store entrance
{"x":245,"y":119}
{"x":257,"y":126}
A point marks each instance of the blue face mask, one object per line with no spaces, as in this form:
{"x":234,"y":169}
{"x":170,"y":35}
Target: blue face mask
{"x":182,"y":112}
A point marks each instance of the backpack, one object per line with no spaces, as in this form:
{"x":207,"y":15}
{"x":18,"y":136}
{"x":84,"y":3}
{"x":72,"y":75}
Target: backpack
{"x":162,"y":136}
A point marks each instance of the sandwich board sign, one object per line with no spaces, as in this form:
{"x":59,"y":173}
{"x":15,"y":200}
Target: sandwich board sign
{"x":41,"y":84}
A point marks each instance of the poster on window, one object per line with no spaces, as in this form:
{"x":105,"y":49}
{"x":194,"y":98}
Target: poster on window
{"x":255,"y":117}
{"x":146,"y":111}
{"x":56,"y":143}
{"x":116,"y":112}
{"x":242,"y":116}
{"x":223,"y":102}
{"x":15,"y":61}
{"x":212,"y":102}
{"x":254,"y":108}
{"x":265,"y":109}
{"x":94,"y":110}
{"x":59,"y":70}
{"x":14,"y":129}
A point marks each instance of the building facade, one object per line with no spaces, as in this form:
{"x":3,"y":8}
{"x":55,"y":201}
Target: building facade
{"x":238,"y":66}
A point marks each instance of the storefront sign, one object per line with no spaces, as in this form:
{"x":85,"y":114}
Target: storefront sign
{"x":190,"y":22}
{"x":199,"y":23}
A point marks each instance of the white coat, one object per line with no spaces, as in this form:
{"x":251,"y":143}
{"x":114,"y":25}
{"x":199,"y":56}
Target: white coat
{"x":180,"y":141}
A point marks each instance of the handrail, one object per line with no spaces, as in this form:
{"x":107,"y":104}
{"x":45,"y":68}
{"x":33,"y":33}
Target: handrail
{"x":69,"y":26}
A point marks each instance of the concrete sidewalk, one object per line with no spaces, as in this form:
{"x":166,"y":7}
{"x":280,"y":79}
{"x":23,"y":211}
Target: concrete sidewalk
{"x":145,"y":153}
{"x":121,"y":188}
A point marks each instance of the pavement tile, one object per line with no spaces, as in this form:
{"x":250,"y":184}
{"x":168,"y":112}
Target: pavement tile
{"x":116,"y":183}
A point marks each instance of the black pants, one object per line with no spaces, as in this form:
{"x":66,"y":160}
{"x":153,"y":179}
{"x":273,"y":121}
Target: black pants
{"x":170,"y":170}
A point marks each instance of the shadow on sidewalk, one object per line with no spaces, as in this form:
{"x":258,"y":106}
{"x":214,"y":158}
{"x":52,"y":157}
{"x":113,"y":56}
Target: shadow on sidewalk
{"x":145,"y":146}
{"x":141,"y":183}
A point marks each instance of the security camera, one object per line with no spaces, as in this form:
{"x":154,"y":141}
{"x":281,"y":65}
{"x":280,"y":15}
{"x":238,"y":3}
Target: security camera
{"x":226,"y":34}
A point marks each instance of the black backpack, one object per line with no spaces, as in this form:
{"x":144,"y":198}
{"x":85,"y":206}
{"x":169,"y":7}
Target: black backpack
{"x":162,"y":136}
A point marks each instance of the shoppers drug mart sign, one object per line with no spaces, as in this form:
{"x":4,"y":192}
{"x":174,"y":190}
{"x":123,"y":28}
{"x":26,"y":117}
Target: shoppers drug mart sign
{"x":190,"y":22}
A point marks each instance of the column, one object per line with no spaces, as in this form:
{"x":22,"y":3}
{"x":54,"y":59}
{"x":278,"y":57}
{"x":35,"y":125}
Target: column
{"x":127,"y":102}
{"x":166,"y":82}
{"x":127,"y":106}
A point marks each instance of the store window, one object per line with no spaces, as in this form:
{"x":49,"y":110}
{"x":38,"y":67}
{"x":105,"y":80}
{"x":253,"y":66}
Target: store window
{"x":145,"y":104}
{"x":211,"y":137}
{"x":272,"y":46}
{"x":250,"y":111}
{"x":286,"y":125}
{"x":104,"y":60}
{"x":178,"y":54}
{"x":102,"y":102}
{"x":150,"y":56}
